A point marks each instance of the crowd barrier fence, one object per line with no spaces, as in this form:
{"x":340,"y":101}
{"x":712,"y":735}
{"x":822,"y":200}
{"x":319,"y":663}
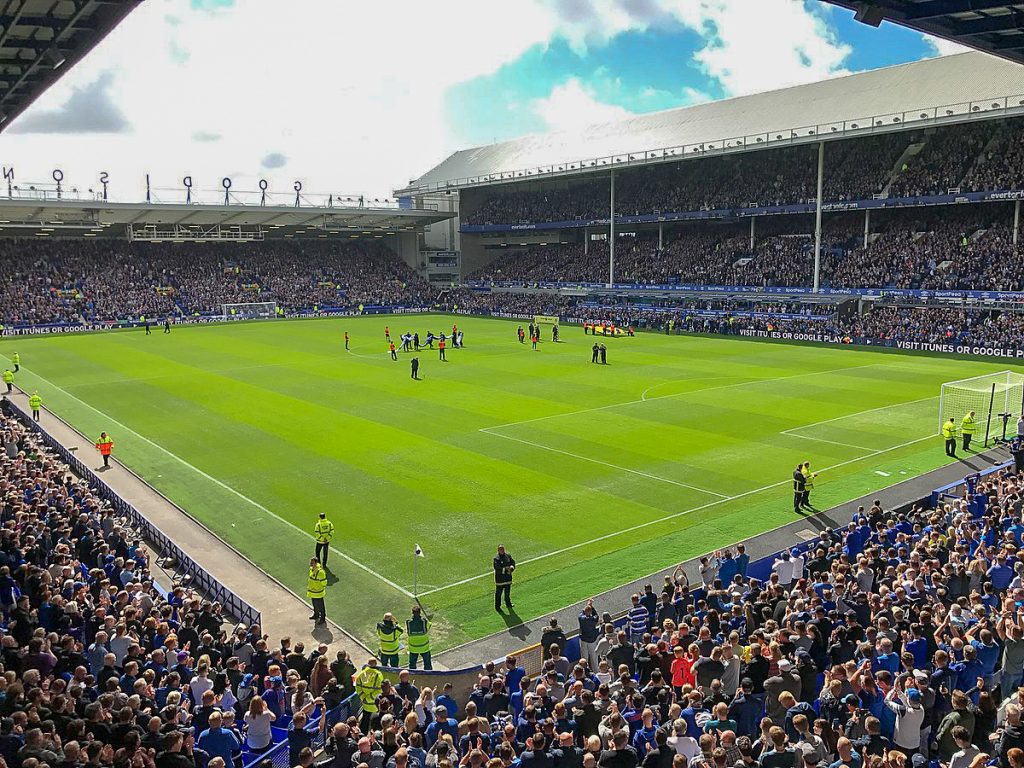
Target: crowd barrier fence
{"x":198,"y":578}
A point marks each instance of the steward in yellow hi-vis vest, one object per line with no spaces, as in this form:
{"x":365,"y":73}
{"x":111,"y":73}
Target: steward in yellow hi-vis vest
{"x":418,"y":638}
{"x":388,"y":633}
{"x":949,"y":435}
{"x":35,"y":402}
{"x":369,"y":683}
{"x":316,"y":590}
{"x":323,"y":532}
{"x":967,"y":428}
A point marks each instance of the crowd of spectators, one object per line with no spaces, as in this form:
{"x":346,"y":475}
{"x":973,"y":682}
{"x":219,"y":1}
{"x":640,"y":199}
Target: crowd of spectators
{"x":892,"y":642}
{"x":71,"y":281}
{"x":978,"y":156}
{"x":959,"y":249}
{"x":100,"y":669}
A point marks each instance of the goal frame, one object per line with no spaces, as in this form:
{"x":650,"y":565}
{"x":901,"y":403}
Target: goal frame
{"x":994,"y":402}
{"x":271,"y":311}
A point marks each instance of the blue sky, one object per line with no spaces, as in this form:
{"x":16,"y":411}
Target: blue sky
{"x":347,"y":100}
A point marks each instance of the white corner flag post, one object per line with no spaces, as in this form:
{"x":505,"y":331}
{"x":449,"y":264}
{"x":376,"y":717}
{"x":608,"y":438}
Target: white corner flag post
{"x":417,"y":553}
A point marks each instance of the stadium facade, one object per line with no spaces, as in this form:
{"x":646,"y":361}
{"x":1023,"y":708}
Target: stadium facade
{"x":918,"y":99}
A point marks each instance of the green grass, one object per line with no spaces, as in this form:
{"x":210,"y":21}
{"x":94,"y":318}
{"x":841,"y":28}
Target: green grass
{"x":591,"y":475}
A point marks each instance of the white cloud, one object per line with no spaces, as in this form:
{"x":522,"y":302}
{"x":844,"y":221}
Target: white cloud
{"x":89,"y":108}
{"x":759,"y":46}
{"x":943,"y":47}
{"x":572,"y":105}
{"x":751,"y":45}
{"x":355,"y":101}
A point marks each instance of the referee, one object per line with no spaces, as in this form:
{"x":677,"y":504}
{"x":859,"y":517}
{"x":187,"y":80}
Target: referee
{"x":504,"y":565}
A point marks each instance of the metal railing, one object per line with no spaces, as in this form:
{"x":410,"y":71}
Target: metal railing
{"x":278,"y":754}
{"x":197,"y":577}
{"x":855,"y":126}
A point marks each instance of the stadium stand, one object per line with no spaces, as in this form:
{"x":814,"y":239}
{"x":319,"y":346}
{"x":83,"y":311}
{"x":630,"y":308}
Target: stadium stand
{"x":104,"y":667}
{"x":76,"y":281}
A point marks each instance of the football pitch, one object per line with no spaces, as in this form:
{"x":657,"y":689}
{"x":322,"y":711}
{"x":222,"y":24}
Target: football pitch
{"x":590,"y":475}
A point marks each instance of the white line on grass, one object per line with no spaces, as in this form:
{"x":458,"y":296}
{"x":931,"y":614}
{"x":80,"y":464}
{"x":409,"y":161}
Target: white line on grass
{"x":674,"y":515}
{"x":860,"y":413}
{"x":606,"y":464}
{"x":823,"y":440}
{"x":643,"y":395}
{"x":222,"y":484}
{"x":681,"y":394}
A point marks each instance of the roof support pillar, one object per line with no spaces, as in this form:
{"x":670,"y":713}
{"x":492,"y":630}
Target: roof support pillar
{"x":817,"y":216}
{"x":611,"y":232}
{"x":1016,"y":221}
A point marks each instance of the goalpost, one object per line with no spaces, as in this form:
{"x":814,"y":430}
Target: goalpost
{"x":548,"y":320}
{"x":249,"y":310}
{"x":989,"y":396}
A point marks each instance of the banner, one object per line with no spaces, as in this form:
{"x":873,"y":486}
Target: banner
{"x":908,"y":346}
{"x":769,"y":290}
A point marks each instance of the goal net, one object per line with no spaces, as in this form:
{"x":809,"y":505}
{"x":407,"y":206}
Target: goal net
{"x":249,"y":310}
{"x":988,"y":396}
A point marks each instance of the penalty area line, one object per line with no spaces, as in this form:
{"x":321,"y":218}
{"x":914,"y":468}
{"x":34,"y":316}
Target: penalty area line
{"x":649,"y":476}
{"x":222,"y":484}
{"x":673,"y":516}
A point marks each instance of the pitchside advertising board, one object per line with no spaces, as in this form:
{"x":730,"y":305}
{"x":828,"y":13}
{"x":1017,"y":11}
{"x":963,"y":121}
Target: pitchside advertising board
{"x":910,"y":346}
{"x":818,"y":338}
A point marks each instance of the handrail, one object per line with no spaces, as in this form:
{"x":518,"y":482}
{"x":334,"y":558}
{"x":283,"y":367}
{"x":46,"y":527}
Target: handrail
{"x":199,"y":578}
{"x":278,"y":754}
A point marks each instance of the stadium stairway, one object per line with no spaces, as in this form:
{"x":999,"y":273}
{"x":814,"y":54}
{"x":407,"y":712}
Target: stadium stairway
{"x":284,"y":613}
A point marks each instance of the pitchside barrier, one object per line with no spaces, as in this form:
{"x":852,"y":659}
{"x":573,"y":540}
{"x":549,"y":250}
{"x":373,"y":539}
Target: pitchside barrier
{"x":199,"y":579}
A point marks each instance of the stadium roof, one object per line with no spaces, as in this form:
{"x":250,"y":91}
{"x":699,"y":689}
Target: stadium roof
{"x":174,"y":222}
{"x":40,"y":40}
{"x":995,"y":26}
{"x":947,"y":89}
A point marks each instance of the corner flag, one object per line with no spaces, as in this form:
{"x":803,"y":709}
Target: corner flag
{"x":417,"y":552}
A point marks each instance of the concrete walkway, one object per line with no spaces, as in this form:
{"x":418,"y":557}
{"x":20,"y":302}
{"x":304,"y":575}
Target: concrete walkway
{"x":284,"y":613}
{"x":803,"y":528}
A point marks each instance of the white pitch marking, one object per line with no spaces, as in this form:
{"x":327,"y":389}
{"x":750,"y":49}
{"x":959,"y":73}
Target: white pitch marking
{"x":680,"y":394}
{"x":674,"y":515}
{"x":823,"y":440}
{"x":606,"y":464}
{"x":860,"y":413}
{"x":222,"y":484}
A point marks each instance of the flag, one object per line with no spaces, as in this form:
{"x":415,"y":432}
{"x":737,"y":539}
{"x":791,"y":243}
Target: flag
{"x":417,"y":551}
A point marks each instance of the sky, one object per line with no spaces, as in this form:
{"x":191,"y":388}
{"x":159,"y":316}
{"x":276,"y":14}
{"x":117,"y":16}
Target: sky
{"x":359,"y":98}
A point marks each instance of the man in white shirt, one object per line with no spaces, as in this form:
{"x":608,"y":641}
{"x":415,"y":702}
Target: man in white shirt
{"x":783,"y":567}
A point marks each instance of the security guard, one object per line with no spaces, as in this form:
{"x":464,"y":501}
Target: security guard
{"x":8,"y":377}
{"x":808,"y":484}
{"x":105,"y":445}
{"x":504,"y":565}
{"x":949,"y":435}
{"x":16,"y":359}
{"x":323,"y":532}
{"x":967,"y":429}
{"x":799,"y":486}
{"x":369,"y":683}
{"x":316,"y":590}
{"x":388,"y":633}
{"x":35,"y":402}
{"x":418,"y":629}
